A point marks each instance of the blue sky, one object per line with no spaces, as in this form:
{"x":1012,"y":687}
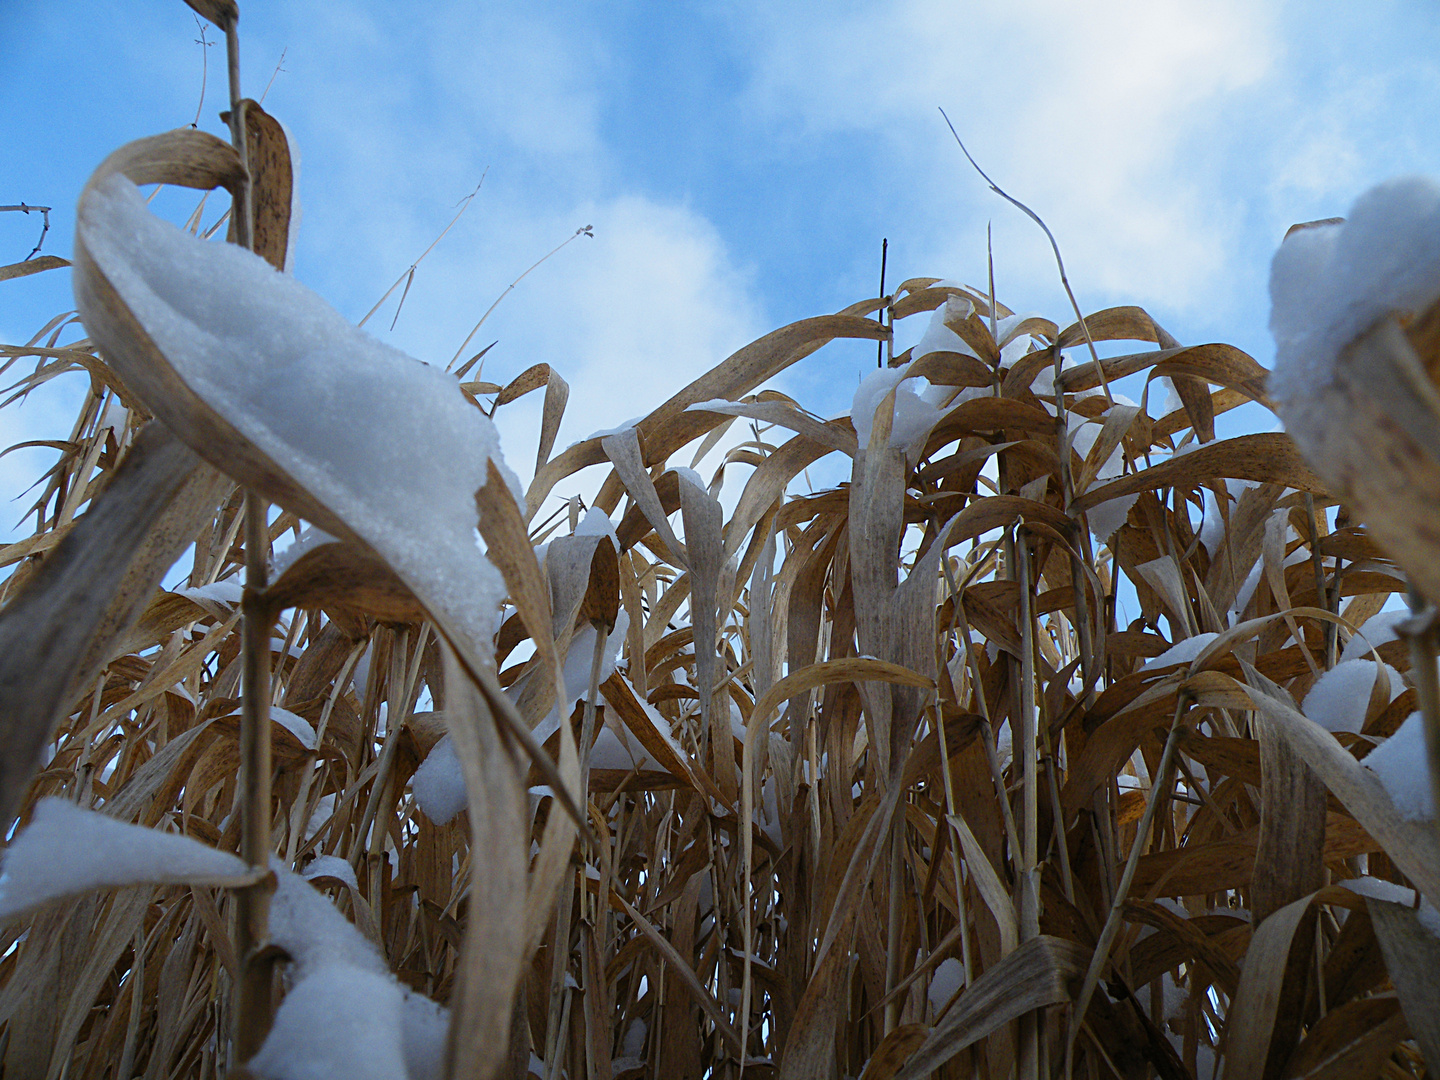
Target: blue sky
{"x":740,"y":162}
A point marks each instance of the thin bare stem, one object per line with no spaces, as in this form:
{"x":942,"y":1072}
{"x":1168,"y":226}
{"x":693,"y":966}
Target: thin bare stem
{"x":1059,"y":262}
{"x":204,"y":68}
{"x":240,"y":207}
{"x":279,"y":67}
{"x":408,"y":275}
{"x":586,"y":230}
{"x":44,"y":212}
{"x":253,"y":1009}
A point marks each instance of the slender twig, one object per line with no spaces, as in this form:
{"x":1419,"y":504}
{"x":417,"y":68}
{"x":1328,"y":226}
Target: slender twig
{"x":586,"y":230}
{"x":408,"y":275}
{"x":279,"y":67}
{"x":1059,"y":262}
{"x":44,"y":212}
{"x":880,"y":345}
{"x":204,"y":69}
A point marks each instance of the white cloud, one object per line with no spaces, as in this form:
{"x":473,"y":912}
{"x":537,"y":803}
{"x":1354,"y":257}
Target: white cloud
{"x":421,"y":105}
{"x":1095,"y":115}
{"x":1167,"y":143}
{"x":647,"y":306}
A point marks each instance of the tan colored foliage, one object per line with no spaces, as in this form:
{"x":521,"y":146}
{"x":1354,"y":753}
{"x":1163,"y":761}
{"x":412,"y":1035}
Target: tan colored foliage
{"x":951,"y":750}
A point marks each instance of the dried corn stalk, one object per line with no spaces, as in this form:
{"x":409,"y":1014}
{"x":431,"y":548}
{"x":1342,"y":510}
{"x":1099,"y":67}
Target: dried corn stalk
{"x":878,"y":782}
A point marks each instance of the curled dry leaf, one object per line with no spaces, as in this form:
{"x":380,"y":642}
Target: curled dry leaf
{"x":864,"y":751}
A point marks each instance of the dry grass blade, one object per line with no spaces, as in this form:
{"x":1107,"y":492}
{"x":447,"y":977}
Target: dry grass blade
{"x":59,"y":630}
{"x":32,"y":266}
{"x":873,"y":773}
{"x":493,"y":954}
{"x":1412,"y":956}
{"x":1036,"y":974}
{"x":223,"y":13}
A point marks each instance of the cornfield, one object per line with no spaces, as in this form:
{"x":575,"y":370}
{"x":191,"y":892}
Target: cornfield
{"x":992,"y":760}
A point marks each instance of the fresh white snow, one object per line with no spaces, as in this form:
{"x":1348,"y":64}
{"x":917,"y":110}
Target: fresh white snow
{"x":597,"y":523}
{"x":337,"y":1022}
{"x":940,"y":338}
{"x":311,"y":929}
{"x":948,"y":976}
{"x":330,"y":866}
{"x":617,"y":748}
{"x":65,"y":850}
{"x":1380,"y":889}
{"x":1212,"y":529}
{"x":1340,"y":697}
{"x":309,"y":540}
{"x":1377,"y":630}
{"x":1400,"y":762}
{"x":1329,"y":283}
{"x":226,"y":592}
{"x":919,"y":406}
{"x":632,"y":1047}
{"x":387,"y":443}
{"x":344,"y":1014}
{"x":296,"y":725}
{"x":1182,"y":652}
{"x":424,"y":1025}
{"x":1106,"y":518}
{"x":438,"y":783}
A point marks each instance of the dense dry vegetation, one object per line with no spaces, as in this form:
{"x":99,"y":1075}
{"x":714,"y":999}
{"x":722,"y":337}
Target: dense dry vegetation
{"x":910,"y":802}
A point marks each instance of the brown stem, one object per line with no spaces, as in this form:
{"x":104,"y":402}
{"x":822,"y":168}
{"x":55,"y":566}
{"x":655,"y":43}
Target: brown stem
{"x":253,"y":1004}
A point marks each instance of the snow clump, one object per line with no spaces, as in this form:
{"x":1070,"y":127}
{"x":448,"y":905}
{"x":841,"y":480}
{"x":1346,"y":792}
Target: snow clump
{"x":389,"y":444}
{"x":1329,"y":283}
{"x":65,"y":850}
{"x":1340,"y":698}
{"x":1401,"y":763}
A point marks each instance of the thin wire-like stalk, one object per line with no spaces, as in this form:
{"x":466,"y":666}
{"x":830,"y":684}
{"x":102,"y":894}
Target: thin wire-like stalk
{"x":279,"y":67}
{"x":1059,"y":262}
{"x":408,"y":275}
{"x":204,"y":70}
{"x":584,"y":230}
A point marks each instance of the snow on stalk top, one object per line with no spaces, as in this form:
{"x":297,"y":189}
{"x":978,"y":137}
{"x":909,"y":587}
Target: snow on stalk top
{"x":387,"y":443}
{"x":1329,"y":283}
{"x":66,"y":850}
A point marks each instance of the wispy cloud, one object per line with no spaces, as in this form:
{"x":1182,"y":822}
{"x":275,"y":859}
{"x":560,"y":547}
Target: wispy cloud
{"x":1096,"y":115}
